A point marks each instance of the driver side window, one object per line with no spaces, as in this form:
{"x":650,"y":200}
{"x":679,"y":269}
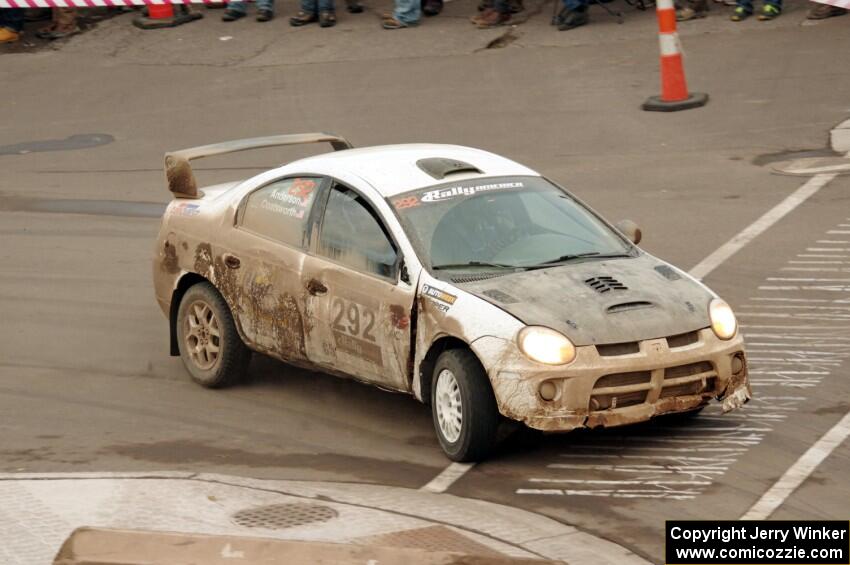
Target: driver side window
{"x":352,"y":234}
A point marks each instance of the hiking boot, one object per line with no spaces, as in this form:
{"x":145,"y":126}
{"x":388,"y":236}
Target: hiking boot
{"x":9,"y":36}
{"x":303,"y":18}
{"x":53,"y":32}
{"x":570,"y":19}
{"x":490,"y":18}
{"x":231,"y":15}
{"x":823,"y":11}
{"x":769,"y":12}
{"x":327,"y":19}
{"x":740,"y":14}
{"x":353,"y":6}
{"x":264,"y":15}
{"x":432,"y":7}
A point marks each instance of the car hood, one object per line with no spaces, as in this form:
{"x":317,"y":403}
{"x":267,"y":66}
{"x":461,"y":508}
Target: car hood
{"x":600,"y":301}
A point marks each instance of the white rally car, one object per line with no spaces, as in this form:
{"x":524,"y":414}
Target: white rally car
{"x":451,"y":273}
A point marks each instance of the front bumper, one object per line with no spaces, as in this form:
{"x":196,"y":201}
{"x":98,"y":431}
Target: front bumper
{"x":620,"y":384}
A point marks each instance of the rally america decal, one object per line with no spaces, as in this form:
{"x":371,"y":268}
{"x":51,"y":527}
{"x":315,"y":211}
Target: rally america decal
{"x":455,"y":191}
{"x":441,"y":299}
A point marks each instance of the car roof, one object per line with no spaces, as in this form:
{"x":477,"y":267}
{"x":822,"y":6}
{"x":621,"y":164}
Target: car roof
{"x":393,"y":169}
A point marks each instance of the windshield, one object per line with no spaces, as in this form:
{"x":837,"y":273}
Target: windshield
{"x":501,"y":223}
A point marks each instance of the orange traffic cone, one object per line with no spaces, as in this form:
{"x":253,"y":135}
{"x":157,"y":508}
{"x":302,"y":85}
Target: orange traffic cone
{"x":157,"y":16}
{"x":674,"y":88}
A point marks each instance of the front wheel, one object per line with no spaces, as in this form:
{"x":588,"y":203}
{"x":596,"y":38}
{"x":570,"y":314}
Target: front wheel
{"x":210,"y":346}
{"x":463,"y":406}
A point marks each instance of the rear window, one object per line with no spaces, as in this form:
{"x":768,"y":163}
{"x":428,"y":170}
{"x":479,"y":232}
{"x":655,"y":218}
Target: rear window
{"x":280,"y":210}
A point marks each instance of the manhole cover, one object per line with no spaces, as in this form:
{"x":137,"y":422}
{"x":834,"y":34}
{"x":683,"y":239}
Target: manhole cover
{"x":282,"y":516}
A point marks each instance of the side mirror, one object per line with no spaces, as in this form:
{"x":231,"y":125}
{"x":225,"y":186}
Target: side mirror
{"x":629,"y":229}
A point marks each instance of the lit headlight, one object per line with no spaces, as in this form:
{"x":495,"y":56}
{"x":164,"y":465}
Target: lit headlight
{"x":546,"y":346}
{"x":723,"y":320}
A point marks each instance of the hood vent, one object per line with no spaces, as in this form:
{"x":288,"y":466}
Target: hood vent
{"x":500,"y":296}
{"x":668,"y":273}
{"x":625,"y":306}
{"x":605,"y":284}
{"x":474,"y":278}
{"x":440,"y":168}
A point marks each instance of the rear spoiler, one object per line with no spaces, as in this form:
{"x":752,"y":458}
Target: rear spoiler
{"x":178,"y":171}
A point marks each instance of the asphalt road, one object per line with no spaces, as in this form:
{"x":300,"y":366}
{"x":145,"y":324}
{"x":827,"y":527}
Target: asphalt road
{"x":86,"y":383}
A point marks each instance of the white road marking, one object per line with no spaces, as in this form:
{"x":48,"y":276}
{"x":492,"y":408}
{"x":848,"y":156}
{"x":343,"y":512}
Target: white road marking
{"x":799,"y":471}
{"x":728,"y":249}
{"x":447,"y":477}
{"x":613,"y":482}
{"x":831,"y":256}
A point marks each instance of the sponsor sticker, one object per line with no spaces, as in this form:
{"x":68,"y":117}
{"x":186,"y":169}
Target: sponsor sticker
{"x":441,"y":299}
{"x":454,"y":191}
{"x":185,"y":209}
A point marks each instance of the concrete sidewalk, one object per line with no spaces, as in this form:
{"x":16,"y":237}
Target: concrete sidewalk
{"x":38,"y":511}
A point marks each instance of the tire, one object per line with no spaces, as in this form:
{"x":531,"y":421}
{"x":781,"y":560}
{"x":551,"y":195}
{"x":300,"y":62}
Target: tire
{"x":203,"y":313}
{"x":459,"y":381}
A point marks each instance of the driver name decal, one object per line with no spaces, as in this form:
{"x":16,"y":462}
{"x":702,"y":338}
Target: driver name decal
{"x":454,"y":191}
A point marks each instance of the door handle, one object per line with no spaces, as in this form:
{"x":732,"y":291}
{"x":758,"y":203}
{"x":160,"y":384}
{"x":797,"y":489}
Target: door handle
{"x":316,"y":288}
{"x":231,"y":261}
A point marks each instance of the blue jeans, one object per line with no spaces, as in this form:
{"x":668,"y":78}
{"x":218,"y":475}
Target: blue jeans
{"x":575,"y":5}
{"x":12,"y":18}
{"x":315,"y":6}
{"x":261,"y":5}
{"x":408,"y":11}
{"x":748,"y":4}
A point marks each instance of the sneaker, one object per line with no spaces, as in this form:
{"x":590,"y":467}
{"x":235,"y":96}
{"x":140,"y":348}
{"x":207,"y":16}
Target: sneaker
{"x":740,"y":14}
{"x":353,"y":6}
{"x":570,"y":19}
{"x":687,"y":14}
{"x":390,"y":22}
{"x":490,"y":18}
{"x":697,"y":9}
{"x":231,"y":15}
{"x":9,"y":36}
{"x":327,"y":19}
{"x":823,"y":11}
{"x":432,"y":7}
{"x":264,"y":15}
{"x":303,"y":18}
{"x":769,"y":12}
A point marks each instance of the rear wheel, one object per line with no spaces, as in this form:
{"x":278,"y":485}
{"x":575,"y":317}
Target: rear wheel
{"x":210,"y":346}
{"x":463,"y":406}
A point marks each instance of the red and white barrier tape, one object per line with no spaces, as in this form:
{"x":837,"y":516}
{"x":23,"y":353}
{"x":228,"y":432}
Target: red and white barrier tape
{"x":95,"y":3}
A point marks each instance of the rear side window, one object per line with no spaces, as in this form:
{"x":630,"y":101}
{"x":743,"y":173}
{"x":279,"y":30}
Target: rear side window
{"x":352,"y":234}
{"x":281,"y":210}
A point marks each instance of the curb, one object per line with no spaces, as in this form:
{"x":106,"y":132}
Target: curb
{"x":525,"y":531}
{"x":839,"y":137}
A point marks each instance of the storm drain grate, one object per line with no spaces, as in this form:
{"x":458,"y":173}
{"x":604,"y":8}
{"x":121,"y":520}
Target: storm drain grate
{"x":282,"y":516}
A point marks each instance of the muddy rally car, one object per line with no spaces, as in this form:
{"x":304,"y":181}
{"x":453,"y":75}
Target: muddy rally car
{"x":450,"y":273}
